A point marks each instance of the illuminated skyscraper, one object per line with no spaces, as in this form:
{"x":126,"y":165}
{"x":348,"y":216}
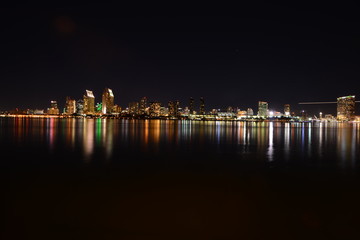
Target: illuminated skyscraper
{"x":202,"y":106}
{"x":134,"y":108}
{"x":80,"y":107}
{"x":346,"y":108}
{"x":191,"y":106}
{"x":174,"y":108}
{"x":250,"y":112}
{"x":70,"y":106}
{"x":155,"y":109}
{"x":89,"y":102}
{"x":263,"y":109}
{"x":143,"y":106}
{"x":54,"y":108}
{"x":107,"y":101}
{"x":287,"y":109}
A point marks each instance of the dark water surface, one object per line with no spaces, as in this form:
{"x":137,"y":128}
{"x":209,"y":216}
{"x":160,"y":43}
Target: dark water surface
{"x":158,"y":179}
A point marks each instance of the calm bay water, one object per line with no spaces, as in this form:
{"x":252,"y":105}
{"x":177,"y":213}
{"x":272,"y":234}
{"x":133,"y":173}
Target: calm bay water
{"x":158,"y":179}
{"x":109,"y":140}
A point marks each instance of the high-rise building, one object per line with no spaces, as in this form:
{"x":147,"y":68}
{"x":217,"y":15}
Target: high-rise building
{"x":107,"y":101}
{"x":89,"y":102}
{"x":155,"y":109}
{"x":134,"y":108}
{"x":263,"y":109}
{"x":346,"y":108}
{"x":116,"y":109}
{"x":174,"y":108}
{"x":172,"y":111}
{"x":250,"y":112}
{"x":202,"y":106}
{"x":80,"y":106}
{"x":143,"y":106}
{"x":53,"y":108}
{"x":191,"y":106}
{"x":287,"y":109}
{"x":70,"y":106}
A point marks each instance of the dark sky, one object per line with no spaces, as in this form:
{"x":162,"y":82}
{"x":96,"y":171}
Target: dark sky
{"x":231,"y":56}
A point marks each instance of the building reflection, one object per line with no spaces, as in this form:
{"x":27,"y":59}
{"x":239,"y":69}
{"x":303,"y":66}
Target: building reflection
{"x":265,"y":141}
{"x":88,"y":138}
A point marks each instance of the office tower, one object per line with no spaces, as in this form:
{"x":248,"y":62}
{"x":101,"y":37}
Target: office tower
{"x":53,"y":108}
{"x":143,"y":106}
{"x":250,"y":112}
{"x":53,"y":104}
{"x":287,"y":109}
{"x":80,"y":107}
{"x":263,"y":109}
{"x":134,"y":108}
{"x":164,"y":111}
{"x":155,"y":109}
{"x":171,"y":106}
{"x":89,"y":102}
{"x":346,"y":108}
{"x":202,"y":106}
{"x":107,"y":101}
{"x":191,"y":106}
{"x":174,"y":108}
{"x":116,"y":109}
{"x":70,"y":106}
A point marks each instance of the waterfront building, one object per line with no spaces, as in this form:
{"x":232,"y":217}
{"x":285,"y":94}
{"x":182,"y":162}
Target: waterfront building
{"x":143,"y":106}
{"x":155,"y":109}
{"x":80,"y":107}
{"x":242,"y":114}
{"x":174,"y":108}
{"x":70,"y":106}
{"x":54,"y":110}
{"x":250,"y":112}
{"x":89,"y":102}
{"x":263,"y":109}
{"x":164,"y":111}
{"x":134,"y":108}
{"x":116,"y":109}
{"x":107,"y":101}
{"x":287,"y":109}
{"x":346,"y":108}
{"x":202,"y":106}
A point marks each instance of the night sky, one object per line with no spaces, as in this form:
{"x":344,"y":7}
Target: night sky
{"x":231,"y":57}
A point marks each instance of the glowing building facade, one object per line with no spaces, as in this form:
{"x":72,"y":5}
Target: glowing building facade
{"x":263,"y":109}
{"x":89,"y":102}
{"x":287,"y":109}
{"x":54,"y":108}
{"x":134,"y":108}
{"x":155,"y":109}
{"x":346,"y":108}
{"x":174,"y":108}
{"x":143,"y":106}
{"x":107,"y":101}
{"x":70,"y":106}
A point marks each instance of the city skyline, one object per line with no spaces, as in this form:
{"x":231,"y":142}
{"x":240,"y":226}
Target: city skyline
{"x":238,"y":59}
{"x":345,"y":109}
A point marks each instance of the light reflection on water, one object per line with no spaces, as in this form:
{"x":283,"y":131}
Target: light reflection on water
{"x":269,"y":141}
